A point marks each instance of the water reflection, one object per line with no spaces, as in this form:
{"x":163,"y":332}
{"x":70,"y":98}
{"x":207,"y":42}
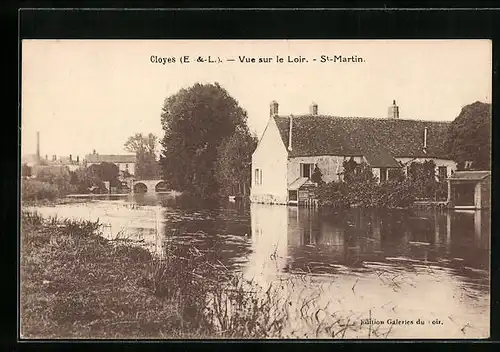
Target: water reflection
{"x":432,"y":264}
{"x":399,"y":263}
{"x":349,"y":238}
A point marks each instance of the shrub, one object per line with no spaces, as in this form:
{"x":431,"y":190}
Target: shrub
{"x":389,"y":194}
{"x":333,"y":194}
{"x":317,"y":176}
{"x":38,"y":190}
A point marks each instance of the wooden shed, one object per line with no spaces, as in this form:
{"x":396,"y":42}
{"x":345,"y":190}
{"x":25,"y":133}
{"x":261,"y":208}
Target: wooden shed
{"x":469,"y":190}
{"x":301,"y":191}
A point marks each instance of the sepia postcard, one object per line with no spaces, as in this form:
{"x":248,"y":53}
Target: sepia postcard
{"x":255,"y":189}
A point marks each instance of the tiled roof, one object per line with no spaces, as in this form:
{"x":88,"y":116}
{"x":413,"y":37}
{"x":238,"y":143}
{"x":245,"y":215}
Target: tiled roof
{"x":110,"y":158}
{"x":470,"y":175}
{"x":380,"y":157}
{"x":378,"y":139}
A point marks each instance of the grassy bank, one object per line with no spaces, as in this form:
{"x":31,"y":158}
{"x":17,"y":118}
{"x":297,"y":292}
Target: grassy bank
{"x":76,"y":284}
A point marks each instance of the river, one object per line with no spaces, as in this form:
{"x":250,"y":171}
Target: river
{"x":410,"y":273}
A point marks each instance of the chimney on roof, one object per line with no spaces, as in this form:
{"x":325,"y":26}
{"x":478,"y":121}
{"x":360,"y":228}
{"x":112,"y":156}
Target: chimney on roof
{"x":393,"y":111}
{"x":38,"y":147}
{"x":77,"y":159}
{"x":313,"y":109}
{"x":273,"y":108}
{"x":425,"y":140}
{"x":70,"y":158}
{"x":290,"y":134}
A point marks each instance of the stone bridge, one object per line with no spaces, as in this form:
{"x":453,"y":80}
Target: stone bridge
{"x":149,"y":186}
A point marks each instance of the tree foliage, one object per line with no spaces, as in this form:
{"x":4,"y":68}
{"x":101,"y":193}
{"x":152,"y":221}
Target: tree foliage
{"x":423,"y":179}
{"x":58,"y":176}
{"x":317,"y":176}
{"x":105,"y":172}
{"x":360,"y":187}
{"x":233,"y":166}
{"x":196,"y":121}
{"x":86,"y":178}
{"x":358,"y":172}
{"x":144,"y":147}
{"x":469,"y":136}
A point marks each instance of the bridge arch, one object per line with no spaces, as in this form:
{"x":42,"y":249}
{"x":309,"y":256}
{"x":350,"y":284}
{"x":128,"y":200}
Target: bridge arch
{"x":140,"y":187}
{"x":160,"y":186}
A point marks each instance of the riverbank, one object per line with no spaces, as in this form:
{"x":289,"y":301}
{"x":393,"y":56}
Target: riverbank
{"x":52,"y":202}
{"x":76,"y":284}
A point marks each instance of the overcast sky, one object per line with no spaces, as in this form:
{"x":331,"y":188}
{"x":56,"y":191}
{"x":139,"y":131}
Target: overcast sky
{"x":93,"y":94}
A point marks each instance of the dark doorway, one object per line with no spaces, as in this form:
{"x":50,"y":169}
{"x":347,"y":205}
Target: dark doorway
{"x":463,"y":194}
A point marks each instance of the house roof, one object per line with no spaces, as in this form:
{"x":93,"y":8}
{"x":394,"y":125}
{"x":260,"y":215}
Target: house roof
{"x":299,"y":182}
{"x":110,"y":158}
{"x":380,"y":157}
{"x":380,"y":140}
{"x":469,"y":175}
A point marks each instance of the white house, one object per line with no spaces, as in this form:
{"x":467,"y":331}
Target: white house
{"x":291,"y":146}
{"x":125,"y":162}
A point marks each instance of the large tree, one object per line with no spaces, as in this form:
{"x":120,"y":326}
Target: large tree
{"x":469,"y":136}
{"x":105,"y":172}
{"x":144,"y":147}
{"x":196,"y":121}
{"x":233,"y":167}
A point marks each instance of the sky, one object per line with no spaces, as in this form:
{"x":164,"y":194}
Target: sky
{"x":83,"y":95}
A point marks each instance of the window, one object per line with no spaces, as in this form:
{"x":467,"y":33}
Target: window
{"x":383,"y":174}
{"x":126,"y":167}
{"x":306,"y":170}
{"x":258,"y":176}
{"x":442,"y":173}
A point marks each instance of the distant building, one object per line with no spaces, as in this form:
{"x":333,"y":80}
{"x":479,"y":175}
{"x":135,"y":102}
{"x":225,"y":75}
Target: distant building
{"x":292,"y":146}
{"x":69,"y":161}
{"x":37,"y":163}
{"x":40,"y":170}
{"x":125,"y":162}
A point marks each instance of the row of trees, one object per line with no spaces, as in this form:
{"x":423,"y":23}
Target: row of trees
{"x":50,"y":182}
